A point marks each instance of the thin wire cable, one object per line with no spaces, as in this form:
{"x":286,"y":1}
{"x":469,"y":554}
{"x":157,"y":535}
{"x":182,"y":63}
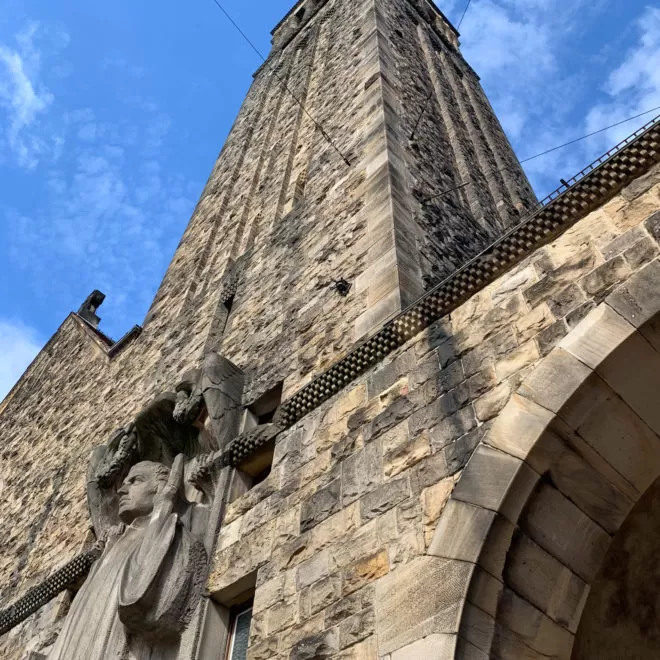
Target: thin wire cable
{"x":543,"y":153}
{"x":458,"y":27}
{"x":284,"y":85}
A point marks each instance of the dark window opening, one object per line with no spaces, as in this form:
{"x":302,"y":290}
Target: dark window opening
{"x":263,"y":410}
{"x":300,"y":14}
{"x":229,"y":303}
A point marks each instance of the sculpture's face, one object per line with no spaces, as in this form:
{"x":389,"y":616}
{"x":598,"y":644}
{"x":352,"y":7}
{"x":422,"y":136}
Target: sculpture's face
{"x":137,"y":493}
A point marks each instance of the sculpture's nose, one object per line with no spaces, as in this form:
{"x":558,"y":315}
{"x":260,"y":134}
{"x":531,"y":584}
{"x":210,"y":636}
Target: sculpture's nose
{"x":122,"y":490}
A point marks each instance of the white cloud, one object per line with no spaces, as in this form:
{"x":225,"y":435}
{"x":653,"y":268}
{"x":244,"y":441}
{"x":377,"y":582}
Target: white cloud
{"x":19,"y":345}
{"x":22,"y":97}
{"x":634,"y":85}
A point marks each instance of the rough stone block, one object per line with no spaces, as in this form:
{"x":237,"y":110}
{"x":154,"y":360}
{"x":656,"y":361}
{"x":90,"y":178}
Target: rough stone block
{"x":316,"y":647}
{"x":549,"y":338}
{"x":350,"y":605}
{"x":384,"y":498}
{"x":364,"y":571}
{"x":519,"y":359}
{"x":605,"y":276}
{"x":321,"y":505}
{"x":356,"y":628}
{"x":458,"y":453}
{"x":652,"y":225}
{"x":433,"y":414}
{"x":434,"y":500}
{"x":452,"y":428}
{"x":641,"y":253}
{"x":638,"y":300}
{"x":407,"y":456}
{"x":490,"y":404}
{"x":410,"y":606}
{"x":623,"y":242}
{"x":534,"y":322}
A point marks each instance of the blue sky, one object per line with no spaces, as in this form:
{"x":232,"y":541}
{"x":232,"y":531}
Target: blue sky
{"x":112,"y":114}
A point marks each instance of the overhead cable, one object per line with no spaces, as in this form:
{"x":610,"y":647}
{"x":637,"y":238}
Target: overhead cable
{"x":282,"y":82}
{"x":458,"y":27}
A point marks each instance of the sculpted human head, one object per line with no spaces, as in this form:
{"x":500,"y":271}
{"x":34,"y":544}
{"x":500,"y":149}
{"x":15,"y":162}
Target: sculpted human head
{"x":138,"y":492}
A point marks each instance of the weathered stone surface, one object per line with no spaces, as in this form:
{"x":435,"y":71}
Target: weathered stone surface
{"x":384,"y":498}
{"x":409,"y":605}
{"x":365,"y":571}
{"x":321,"y":505}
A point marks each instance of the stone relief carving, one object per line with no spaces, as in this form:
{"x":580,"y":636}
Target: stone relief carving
{"x":155,"y":495}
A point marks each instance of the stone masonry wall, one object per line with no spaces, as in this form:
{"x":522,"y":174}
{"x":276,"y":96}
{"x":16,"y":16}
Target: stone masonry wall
{"x":357,"y":486}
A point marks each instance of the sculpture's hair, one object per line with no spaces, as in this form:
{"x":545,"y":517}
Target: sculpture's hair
{"x":161,"y":472}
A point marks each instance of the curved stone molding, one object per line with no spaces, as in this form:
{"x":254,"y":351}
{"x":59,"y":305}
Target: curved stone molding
{"x":540,"y":500}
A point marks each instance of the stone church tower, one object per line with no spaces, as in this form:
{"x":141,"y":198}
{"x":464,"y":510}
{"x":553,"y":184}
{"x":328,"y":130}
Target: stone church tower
{"x":387,"y":405}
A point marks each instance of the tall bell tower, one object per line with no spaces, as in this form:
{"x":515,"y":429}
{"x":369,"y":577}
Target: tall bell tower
{"x":362,"y":118}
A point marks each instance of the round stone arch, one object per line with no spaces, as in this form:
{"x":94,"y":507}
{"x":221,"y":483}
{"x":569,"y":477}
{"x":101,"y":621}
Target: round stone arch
{"x":541,"y":499}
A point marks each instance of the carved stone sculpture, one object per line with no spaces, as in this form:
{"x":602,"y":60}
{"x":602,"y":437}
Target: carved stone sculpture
{"x":155,"y":494}
{"x":144,"y":588}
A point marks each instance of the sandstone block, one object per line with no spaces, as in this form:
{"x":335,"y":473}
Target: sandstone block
{"x":545,"y":582}
{"x":522,"y":357}
{"x":433,"y":647}
{"x":356,"y":628}
{"x":362,"y":472}
{"x":366,"y":650}
{"x":637,"y":300}
{"x":623,"y":242}
{"x":364,"y":571}
{"x":534,"y":322}
{"x":652,"y":225}
{"x":490,"y":404}
{"x":314,"y":569}
{"x":409,"y":605}
{"x":549,"y":338}
{"x":321,"y":505}
{"x":605,"y":276}
{"x":434,"y":500}
{"x":568,"y":534}
{"x":458,"y":453}
{"x":385,"y":497}
{"x":316,"y":647}
{"x":324,"y":593}
{"x":405,"y":457}
{"x":452,"y":428}
{"x":641,"y":253}
{"x":350,"y":605}
{"x":461,"y":531}
{"x":391,"y":416}
{"x":433,"y":414}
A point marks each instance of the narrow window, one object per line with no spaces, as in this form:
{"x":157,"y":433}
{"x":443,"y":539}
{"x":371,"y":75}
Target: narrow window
{"x":300,"y":14}
{"x":239,"y":632}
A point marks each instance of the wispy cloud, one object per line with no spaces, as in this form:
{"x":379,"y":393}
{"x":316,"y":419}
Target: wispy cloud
{"x":634,"y":85}
{"x":112,"y":215}
{"x":23,"y":97}
{"x":19,"y":345}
